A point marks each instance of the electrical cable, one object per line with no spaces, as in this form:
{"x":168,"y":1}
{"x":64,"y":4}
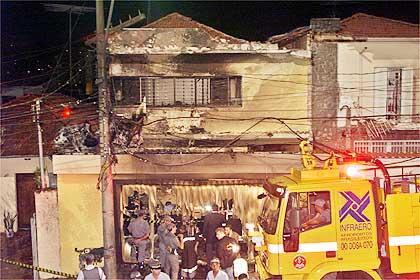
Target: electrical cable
{"x":218,"y":149}
{"x":193,"y":69}
{"x":42,"y":97}
{"x":68,"y":43}
{"x":47,"y":73}
{"x":402,"y":161}
{"x":60,"y":106}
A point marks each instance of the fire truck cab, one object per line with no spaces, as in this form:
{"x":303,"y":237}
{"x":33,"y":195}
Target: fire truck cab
{"x":321,"y":224}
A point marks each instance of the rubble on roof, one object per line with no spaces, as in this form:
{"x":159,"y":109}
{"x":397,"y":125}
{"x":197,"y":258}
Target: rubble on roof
{"x":126,"y":133}
{"x":183,"y":41}
{"x":78,"y":138}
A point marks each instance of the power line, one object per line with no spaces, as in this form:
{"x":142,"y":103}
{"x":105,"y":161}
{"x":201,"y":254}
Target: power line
{"x":196,"y":69}
{"x":42,"y":97}
{"x":68,"y":43}
{"x":47,"y":73}
{"x":91,"y":116}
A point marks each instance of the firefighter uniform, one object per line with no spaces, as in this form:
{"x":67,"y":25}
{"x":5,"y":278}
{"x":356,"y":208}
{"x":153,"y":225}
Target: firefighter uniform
{"x":162,"y":231}
{"x":140,"y":230}
{"x":172,"y":259}
{"x":189,"y":257}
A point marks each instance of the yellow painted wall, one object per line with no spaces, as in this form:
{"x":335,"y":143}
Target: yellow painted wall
{"x":80,"y":217}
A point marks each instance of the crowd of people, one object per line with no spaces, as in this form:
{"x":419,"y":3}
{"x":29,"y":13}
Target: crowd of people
{"x":178,"y":249}
{"x":178,"y":246}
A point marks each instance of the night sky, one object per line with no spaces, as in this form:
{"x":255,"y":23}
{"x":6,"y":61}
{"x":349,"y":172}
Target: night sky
{"x":33,"y":38}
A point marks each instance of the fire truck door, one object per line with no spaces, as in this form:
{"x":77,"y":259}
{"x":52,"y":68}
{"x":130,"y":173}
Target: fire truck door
{"x":317,"y":242}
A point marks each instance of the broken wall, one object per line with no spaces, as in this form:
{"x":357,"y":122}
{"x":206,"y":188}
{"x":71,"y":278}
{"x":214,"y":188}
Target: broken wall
{"x":272,"y":85}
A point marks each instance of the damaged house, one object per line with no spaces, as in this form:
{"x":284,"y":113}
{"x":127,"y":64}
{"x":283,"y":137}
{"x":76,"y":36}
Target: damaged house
{"x":198,"y":117}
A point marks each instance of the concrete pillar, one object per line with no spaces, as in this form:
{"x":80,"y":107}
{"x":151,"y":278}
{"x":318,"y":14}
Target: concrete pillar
{"x":46,"y":208}
{"x":325,"y":92}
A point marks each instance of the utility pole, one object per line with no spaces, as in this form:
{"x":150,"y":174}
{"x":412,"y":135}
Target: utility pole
{"x":70,"y":64}
{"x":107,"y":186}
{"x":37,"y":109}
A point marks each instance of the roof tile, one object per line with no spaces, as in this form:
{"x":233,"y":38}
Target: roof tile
{"x":360,"y":25}
{"x":176,"y":20}
{"x":364,"y":25}
{"x":19,"y":134}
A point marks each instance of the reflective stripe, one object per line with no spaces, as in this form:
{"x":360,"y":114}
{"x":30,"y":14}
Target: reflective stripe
{"x":275,"y":248}
{"x":189,"y":270}
{"x":305,"y":247}
{"x":404,"y":240}
{"x":191,"y":238}
{"x":257,"y":239}
{"x":318,"y":247}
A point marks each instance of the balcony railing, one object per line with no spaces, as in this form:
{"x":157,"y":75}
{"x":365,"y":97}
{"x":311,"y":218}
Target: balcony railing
{"x":387,"y":146}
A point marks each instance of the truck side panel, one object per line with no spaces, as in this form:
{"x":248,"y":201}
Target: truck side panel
{"x":356,"y":229}
{"x":403,"y":212}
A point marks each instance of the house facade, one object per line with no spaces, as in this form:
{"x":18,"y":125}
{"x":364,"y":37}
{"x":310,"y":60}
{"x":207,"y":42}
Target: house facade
{"x":365,"y":76}
{"x":198,"y":117}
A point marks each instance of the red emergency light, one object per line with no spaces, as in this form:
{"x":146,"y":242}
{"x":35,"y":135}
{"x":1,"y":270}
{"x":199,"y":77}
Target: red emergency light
{"x":66,"y":112}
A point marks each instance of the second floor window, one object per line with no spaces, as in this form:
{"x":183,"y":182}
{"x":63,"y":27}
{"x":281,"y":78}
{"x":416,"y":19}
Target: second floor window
{"x":393,"y":98}
{"x":177,"y":91}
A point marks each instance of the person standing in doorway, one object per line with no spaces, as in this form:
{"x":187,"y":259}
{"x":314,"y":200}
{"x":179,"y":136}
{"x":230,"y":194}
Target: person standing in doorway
{"x":173,"y":246}
{"x":140,"y":230}
{"x":91,"y":272}
{"x":162,"y":232}
{"x":212,"y":221}
{"x":189,"y":254}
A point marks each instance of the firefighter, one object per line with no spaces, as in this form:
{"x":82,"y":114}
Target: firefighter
{"x":189,"y":254}
{"x":162,"y":231}
{"x":140,"y":230}
{"x":172,"y":258}
{"x":322,"y":216}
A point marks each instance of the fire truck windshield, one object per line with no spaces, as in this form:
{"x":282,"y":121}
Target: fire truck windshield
{"x":270,"y":214}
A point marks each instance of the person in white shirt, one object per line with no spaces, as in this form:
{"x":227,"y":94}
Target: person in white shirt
{"x":216,"y":273}
{"x":91,"y":272}
{"x":156,"y":274}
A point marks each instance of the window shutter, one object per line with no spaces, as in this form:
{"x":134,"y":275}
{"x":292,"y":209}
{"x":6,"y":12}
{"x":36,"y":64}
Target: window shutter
{"x":380,"y":92}
{"x":407,"y":94}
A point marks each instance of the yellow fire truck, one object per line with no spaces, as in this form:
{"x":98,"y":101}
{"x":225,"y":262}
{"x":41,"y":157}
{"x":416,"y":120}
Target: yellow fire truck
{"x":323,"y":224}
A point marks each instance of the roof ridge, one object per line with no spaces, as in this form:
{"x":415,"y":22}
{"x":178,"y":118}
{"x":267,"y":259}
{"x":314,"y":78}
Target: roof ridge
{"x":378,"y":17}
{"x":300,"y":28}
{"x":203,"y":26}
{"x":165,"y":17}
